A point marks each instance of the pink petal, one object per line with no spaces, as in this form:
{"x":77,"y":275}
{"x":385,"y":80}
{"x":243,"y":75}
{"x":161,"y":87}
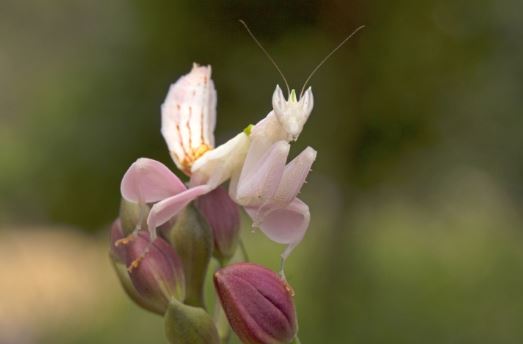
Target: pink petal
{"x":149,"y":181}
{"x":164,"y":210}
{"x":283,"y":225}
{"x":223,"y":216}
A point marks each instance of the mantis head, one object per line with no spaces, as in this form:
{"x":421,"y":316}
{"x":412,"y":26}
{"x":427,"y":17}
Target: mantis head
{"x":292,"y":113}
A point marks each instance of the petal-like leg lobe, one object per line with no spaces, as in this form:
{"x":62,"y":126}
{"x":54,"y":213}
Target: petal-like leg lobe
{"x":148,"y":181}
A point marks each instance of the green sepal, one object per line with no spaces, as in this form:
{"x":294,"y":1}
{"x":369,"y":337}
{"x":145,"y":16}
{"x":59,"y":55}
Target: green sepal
{"x":186,"y":324}
{"x":221,"y":322}
{"x":133,"y":216}
{"x":192,"y":239}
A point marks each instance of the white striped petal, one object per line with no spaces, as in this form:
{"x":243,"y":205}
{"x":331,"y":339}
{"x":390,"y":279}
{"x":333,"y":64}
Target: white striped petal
{"x":189,"y":117}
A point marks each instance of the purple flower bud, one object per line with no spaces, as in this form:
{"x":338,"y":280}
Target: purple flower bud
{"x":118,"y":258}
{"x":258,"y":303}
{"x":153,"y":267}
{"x":223,"y":216}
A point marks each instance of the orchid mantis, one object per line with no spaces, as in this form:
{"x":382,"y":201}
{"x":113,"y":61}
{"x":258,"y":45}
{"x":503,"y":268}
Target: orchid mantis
{"x":254,"y":161}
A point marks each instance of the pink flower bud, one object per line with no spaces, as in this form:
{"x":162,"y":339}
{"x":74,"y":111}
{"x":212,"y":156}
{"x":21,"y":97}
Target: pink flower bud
{"x":223,"y":216}
{"x":258,"y":303}
{"x":154,"y":267}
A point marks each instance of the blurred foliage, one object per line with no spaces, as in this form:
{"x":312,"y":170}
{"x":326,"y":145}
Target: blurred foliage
{"x":417,"y":190}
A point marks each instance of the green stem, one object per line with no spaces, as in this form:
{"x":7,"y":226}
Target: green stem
{"x":243,"y":251}
{"x":282,"y":269}
{"x":296,"y":340}
{"x":219,"y":317}
{"x":221,"y":323}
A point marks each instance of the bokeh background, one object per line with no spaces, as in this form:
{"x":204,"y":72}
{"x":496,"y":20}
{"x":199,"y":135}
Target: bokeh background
{"x":416,"y":195}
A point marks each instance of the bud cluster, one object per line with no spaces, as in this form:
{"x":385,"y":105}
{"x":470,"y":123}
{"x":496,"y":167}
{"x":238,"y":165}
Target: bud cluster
{"x":167,"y":275}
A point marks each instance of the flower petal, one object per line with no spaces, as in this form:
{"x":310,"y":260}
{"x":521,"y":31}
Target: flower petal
{"x":223,"y":216}
{"x":283,"y":225}
{"x":148,"y":181}
{"x":189,"y":116}
{"x":164,"y":210}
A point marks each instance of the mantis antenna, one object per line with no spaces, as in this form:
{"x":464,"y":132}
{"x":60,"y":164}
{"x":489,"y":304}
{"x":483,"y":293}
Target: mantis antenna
{"x":327,"y":57}
{"x":266,"y":54}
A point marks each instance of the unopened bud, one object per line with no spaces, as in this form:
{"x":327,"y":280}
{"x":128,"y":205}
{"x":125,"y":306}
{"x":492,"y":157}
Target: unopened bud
{"x":257,"y":302}
{"x":191,"y":237}
{"x":223,"y":216}
{"x":186,"y":324}
{"x":118,"y":259}
{"x":153,"y":267}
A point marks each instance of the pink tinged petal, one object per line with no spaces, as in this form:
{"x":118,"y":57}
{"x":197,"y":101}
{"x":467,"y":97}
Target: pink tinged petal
{"x":259,"y":185}
{"x":283,"y":225}
{"x":149,"y":181}
{"x":189,"y":116}
{"x":294,"y":176}
{"x":223,"y":216}
{"x":164,"y":210}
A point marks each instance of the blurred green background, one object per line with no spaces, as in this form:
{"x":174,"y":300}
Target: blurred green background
{"x":416,"y":195}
